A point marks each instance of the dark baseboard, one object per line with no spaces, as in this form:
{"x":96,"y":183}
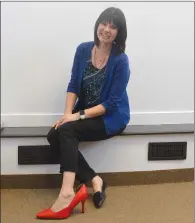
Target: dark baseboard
{"x":39,"y":181}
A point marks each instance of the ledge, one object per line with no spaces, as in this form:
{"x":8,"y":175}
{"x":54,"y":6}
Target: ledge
{"x":21,"y":132}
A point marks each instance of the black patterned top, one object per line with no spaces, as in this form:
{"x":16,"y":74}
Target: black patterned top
{"x":93,"y":79}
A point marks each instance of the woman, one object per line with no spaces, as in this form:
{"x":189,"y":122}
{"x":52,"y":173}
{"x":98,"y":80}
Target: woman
{"x":99,"y":78}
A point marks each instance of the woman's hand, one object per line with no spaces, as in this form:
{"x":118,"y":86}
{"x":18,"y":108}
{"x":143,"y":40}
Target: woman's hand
{"x":66,"y":118}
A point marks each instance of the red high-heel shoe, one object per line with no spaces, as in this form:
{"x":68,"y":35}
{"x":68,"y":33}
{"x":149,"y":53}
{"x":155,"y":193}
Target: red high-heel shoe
{"x":80,"y":196}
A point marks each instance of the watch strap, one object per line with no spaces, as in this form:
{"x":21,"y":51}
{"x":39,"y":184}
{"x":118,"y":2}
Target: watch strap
{"x":82,"y":114}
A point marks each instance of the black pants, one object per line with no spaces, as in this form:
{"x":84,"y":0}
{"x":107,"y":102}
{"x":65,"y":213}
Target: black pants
{"x":65,"y":140}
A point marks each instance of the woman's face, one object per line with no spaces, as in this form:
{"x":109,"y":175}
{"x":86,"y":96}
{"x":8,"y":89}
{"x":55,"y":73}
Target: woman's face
{"x":106,"y":32}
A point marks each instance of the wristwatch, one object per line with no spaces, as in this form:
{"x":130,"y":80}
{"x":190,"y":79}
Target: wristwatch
{"x":82,"y":114}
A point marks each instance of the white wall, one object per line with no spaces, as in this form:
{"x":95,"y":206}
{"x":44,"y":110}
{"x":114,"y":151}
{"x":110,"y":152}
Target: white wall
{"x":38,"y":44}
{"x":119,"y":154}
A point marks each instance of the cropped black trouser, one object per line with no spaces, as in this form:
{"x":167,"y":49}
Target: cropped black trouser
{"x":65,"y":140}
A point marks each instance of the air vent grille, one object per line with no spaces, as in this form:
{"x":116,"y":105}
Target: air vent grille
{"x":167,"y":150}
{"x":41,"y":154}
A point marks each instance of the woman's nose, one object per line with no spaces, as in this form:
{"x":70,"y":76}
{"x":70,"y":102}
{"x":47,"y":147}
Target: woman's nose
{"x":107,"y":28}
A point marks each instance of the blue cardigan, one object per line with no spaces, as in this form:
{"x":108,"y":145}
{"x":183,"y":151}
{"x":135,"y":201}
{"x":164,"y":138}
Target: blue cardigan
{"x":113,"y":96}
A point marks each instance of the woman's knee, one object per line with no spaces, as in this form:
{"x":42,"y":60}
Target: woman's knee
{"x":52,"y":134}
{"x":66,"y":128}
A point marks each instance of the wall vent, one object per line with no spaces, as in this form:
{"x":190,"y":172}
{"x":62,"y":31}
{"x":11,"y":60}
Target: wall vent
{"x":40,"y":154}
{"x":167,"y":150}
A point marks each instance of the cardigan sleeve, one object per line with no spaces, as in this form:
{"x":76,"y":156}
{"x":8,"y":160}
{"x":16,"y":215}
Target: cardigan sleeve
{"x":119,"y":83}
{"x":72,"y":86}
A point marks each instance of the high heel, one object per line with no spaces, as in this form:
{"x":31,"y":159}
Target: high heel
{"x":80,"y":196}
{"x":83,"y":206}
{"x":99,"y":197}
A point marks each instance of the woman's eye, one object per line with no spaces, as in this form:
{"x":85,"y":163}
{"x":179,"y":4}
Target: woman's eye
{"x":113,"y":27}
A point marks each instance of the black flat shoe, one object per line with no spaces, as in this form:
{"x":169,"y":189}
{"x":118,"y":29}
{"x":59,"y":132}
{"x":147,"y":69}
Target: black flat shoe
{"x":99,"y":197}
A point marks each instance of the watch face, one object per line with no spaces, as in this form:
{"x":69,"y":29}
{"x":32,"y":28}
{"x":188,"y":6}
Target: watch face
{"x":82,"y":116}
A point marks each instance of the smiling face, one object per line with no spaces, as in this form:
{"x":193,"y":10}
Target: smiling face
{"x":110,"y":27}
{"x":106,"y":32}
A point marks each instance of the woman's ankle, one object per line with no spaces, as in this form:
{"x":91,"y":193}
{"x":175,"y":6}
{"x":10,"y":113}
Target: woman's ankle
{"x":97,"y":183}
{"x":96,"y":179}
{"x":67,"y":193}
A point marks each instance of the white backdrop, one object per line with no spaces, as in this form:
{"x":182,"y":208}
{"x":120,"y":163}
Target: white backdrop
{"x":39,"y":41}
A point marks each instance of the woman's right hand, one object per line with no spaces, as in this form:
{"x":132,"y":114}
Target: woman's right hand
{"x":58,"y":122}
{"x":66,"y":118}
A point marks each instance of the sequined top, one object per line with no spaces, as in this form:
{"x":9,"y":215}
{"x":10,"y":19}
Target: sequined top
{"x":93,"y":79}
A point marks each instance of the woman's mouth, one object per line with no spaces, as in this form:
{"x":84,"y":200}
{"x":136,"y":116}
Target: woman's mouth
{"x":105,"y":36}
